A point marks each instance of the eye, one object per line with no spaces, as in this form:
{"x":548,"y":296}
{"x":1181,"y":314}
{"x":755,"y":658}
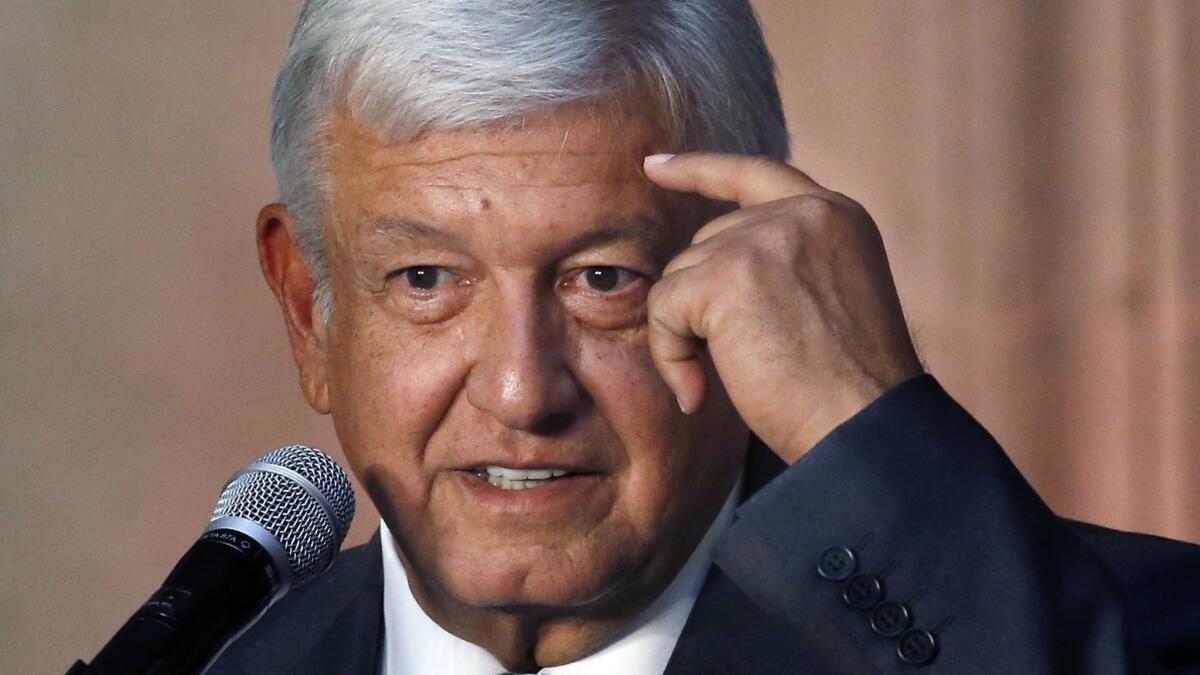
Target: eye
{"x":606,"y":278}
{"x":425,"y":277}
{"x":426,"y":294}
{"x":606,"y":297}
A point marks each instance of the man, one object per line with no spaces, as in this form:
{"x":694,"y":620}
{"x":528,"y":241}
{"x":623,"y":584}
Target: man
{"x":570,"y":368}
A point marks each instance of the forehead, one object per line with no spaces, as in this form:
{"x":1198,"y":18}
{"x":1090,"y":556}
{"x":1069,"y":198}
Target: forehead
{"x":532,"y":184}
{"x":573,"y":145}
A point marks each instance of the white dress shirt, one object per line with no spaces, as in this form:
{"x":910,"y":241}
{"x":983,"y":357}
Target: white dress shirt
{"x":414,"y":644}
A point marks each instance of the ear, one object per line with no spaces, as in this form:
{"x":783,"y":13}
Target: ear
{"x":291,"y":281}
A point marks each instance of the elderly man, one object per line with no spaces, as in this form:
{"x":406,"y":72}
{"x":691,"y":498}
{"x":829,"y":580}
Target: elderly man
{"x":571,"y":370}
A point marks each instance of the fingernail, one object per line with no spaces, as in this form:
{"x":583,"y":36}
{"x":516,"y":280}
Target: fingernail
{"x":682,"y":409}
{"x":654,"y":160}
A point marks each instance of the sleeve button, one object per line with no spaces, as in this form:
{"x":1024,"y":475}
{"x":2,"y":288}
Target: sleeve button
{"x":862,"y":591}
{"x":890,"y":619}
{"x":917,"y":647}
{"x":837,"y":563}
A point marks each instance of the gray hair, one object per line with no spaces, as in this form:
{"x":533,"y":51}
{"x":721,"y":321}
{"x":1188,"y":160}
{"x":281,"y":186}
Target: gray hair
{"x":411,"y":66}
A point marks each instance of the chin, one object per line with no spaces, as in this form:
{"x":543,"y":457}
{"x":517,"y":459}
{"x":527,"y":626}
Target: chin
{"x":531,"y":578}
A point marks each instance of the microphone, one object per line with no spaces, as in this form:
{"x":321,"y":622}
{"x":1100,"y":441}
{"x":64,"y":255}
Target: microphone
{"x":279,"y":522}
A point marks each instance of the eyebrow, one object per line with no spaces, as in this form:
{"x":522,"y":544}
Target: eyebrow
{"x":646,"y":231}
{"x":406,"y":228}
{"x":641,"y":230}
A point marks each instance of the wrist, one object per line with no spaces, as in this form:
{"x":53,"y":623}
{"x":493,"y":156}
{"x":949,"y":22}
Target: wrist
{"x":835,"y":404}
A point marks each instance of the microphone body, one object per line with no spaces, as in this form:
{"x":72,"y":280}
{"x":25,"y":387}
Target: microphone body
{"x":224,"y":581}
{"x":279,"y":522}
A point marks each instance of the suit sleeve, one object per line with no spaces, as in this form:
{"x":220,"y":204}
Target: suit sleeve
{"x":907,"y":542}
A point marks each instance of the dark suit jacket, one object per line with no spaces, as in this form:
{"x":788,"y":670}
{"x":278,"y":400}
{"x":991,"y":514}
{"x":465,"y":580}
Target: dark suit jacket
{"x":929,"y":507}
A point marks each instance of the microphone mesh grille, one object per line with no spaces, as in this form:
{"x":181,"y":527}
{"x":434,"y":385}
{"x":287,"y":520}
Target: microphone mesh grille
{"x":286,"y":508}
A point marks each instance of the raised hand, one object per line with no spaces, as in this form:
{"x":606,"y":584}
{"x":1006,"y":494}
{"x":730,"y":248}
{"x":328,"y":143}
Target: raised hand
{"x":791,"y":295}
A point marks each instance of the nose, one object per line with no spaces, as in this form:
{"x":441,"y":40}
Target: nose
{"x":522,"y":376}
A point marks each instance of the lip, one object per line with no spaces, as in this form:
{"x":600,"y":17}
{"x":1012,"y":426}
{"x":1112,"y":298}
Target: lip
{"x":526,"y":464}
{"x":552,"y":497}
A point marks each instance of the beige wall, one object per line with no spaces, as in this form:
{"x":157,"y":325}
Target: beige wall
{"x":1033,"y":166}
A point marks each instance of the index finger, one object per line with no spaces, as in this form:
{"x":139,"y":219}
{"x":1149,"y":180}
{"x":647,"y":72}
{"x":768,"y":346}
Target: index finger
{"x":744,"y":179}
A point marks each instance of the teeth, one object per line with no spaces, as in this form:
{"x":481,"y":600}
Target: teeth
{"x":519,"y":479}
{"x":524,"y":474}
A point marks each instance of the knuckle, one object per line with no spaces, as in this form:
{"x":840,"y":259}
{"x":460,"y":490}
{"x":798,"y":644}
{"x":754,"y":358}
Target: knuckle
{"x":815,"y":208}
{"x":779,"y":234}
{"x":743,"y":263}
{"x":847,"y":201}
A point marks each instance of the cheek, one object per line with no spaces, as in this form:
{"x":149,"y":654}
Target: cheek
{"x":658,"y":440}
{"x":630,"y":394}
{"x":677,"y":463}
{"x":389,"y":391}
{"x":635,"y":400}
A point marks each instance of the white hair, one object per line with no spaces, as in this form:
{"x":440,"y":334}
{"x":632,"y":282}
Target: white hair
{"x":409,"y":66}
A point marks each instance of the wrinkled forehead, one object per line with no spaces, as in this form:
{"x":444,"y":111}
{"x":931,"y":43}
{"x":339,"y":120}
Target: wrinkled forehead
{"x":571,"y":145}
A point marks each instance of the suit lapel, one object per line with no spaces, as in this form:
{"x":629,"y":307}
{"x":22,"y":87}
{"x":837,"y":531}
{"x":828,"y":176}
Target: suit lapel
{"x":726,"y":632}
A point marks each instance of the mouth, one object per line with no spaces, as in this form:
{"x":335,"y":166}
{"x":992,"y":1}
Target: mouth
{"x":507,"y":478}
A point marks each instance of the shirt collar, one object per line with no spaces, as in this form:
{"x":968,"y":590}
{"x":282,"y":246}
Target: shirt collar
{"x":415,"y":644}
